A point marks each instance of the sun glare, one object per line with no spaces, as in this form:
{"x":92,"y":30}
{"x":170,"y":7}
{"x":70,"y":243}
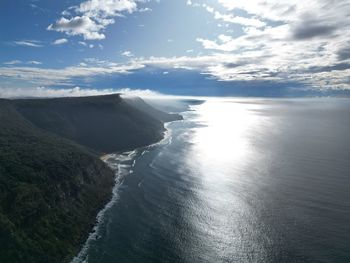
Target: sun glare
{"x":227,"y":125}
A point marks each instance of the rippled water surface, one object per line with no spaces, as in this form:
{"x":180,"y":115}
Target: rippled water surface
{"x":237,"y":181}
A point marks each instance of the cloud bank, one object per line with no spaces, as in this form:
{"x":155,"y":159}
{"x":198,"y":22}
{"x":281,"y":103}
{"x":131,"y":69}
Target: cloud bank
{"x":46,"y":92}
{"x":282,"y":40}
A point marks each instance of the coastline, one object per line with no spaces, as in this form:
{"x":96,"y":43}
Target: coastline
{"x":121,"y":164}
{"x":51,"y":200}
{"x":119,"y":172}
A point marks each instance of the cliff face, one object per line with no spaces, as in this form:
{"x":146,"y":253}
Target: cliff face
{"x":51,"y":184}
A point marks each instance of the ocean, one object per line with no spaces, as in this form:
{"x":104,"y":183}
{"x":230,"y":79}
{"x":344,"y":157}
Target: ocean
{"x":238,"y":180}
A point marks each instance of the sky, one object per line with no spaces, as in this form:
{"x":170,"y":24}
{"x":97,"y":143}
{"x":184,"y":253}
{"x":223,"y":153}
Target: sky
{"x":260,"y":48}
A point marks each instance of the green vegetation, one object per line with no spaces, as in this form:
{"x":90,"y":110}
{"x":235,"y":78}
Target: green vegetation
{"x":51,"y":188}
{"x":50,"y":192}
{"x":103,"y":123}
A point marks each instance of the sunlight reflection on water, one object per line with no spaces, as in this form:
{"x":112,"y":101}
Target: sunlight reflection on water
{"x":223,"y":136}
{"x":221,"y":151}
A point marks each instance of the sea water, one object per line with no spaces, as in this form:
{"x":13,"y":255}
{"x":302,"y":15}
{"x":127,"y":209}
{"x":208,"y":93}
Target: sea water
{"x":238,"y":180}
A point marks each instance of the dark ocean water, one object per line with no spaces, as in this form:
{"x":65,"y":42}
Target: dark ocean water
{"x":237,"y":181}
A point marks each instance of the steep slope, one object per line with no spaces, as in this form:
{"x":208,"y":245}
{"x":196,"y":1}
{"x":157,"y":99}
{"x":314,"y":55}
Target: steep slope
{"x":103,"y":123}
{"x":52,"y":182}
{"x":141,"y":105}
{"x":50,"y":192}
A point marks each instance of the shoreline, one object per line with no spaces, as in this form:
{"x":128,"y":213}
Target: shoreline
{"x":67,"y":188}
{"x":126,"y":156}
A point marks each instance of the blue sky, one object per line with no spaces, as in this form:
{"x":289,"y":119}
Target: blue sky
{"x":182,"y":47}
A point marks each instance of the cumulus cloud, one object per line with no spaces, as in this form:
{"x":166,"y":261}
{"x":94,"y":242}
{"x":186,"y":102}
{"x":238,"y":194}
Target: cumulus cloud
{"x":79,"y":25}
{"x":92,"y":17}
{"x":287,"y":10}
{"x":304,"y":41}
{"x":103,"y":8}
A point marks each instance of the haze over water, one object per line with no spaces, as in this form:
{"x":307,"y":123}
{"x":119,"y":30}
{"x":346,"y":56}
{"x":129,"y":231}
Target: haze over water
{"x":242,"y":180}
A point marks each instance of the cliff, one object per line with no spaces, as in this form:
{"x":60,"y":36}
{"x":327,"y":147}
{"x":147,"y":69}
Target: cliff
{"x":52,"y":182}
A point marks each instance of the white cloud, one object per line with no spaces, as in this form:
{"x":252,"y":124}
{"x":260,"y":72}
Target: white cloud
{"x":224,"y":38}
{"x":143,"y":93}
{"x":235,"y":19}
{"x":28,"y":43}
{"x":47,"y":92}
{"x":127,"y":53}
{"x":79,"y":25}
{"x":294,"y":11}
{"x":257,"y":65}
{"x":62,"y":77}
{"x":93,"y":16}
{"x":34,"y":62}
{"x":146,"y":9}
{"x":276,"y":40}
{"x":198,"y":63}
{"x":51,"y":93}
{"x":16,"y":62}
{"x":13,"y":62}
{"x":239,"y":19}
{"x":106,"y":8}
{"x":60,"y":41}
{"x":285,"y":40}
